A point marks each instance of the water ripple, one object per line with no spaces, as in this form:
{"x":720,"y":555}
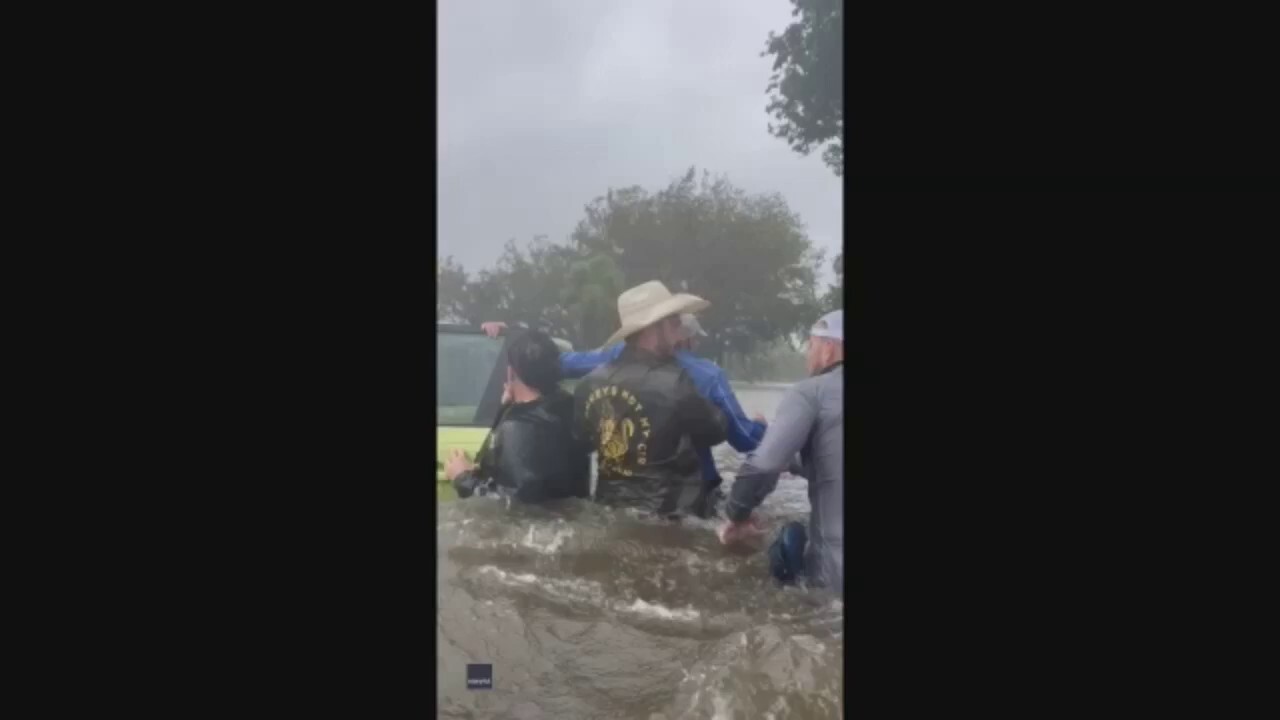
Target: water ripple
{"x":587,"y":612}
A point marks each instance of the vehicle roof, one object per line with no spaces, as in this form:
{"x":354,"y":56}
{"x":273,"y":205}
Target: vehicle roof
{"x":564,"y":345}
{"x":454,"y":327}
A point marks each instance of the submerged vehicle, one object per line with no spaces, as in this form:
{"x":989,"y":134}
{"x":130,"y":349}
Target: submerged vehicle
{"x":471,"y":368}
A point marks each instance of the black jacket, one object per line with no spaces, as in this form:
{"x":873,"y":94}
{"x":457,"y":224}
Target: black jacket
{"x":643,"y":417}
{"x":531,"y":453}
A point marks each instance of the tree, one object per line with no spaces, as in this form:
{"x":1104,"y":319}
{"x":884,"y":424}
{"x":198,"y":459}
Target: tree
{"x":451,"y":290}
{"x":834,"y":299}
{"x":747,"y":254}
{"x":806,"y":89}
{"x":522,"y":288}
{"x":591,"y":299}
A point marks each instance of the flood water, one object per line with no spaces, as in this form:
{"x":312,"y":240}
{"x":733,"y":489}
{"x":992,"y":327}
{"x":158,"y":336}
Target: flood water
{"x":586,"y":612}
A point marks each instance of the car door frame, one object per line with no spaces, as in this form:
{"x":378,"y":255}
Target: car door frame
{"x":491,"y":399}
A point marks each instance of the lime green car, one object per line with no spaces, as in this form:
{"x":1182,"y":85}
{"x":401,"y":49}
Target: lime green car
{"x":470,"y":370}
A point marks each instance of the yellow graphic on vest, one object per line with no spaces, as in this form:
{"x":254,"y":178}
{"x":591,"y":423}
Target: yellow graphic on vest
{"x":615,"y":437}
{"x":618,"y":419}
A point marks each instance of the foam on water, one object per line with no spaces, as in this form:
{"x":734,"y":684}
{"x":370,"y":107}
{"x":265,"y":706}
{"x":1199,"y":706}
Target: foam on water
{"x":586,"y":612}
{"x":553,"y":545}
{"x":720,"y":704}
{"x":659,"y":611}
{"x":571,"y":590}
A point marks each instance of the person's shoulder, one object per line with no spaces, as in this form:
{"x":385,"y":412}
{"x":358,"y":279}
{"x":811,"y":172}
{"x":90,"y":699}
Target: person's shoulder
{"x":679,"y":370}
{"x":556,"y":406}
{"x":815,"y":382}
{"x":586,"y":385}
{"x":833,"y":378}
{"x":703,"y":372}
{"x":819,"y":385}
{"x":599,"y":372}
{"x":808,"y":388}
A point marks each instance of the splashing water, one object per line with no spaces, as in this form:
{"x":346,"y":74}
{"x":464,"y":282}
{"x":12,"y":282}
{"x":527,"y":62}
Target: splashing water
{"x":588,"y":612}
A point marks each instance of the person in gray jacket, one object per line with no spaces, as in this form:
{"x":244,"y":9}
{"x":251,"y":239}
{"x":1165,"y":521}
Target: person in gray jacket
{"x":810,"y":420}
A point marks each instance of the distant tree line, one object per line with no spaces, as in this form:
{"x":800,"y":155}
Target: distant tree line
{"x":747,"y":254}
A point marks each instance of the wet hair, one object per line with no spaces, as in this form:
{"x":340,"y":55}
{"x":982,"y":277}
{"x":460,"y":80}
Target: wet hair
{"x":535,"y":359}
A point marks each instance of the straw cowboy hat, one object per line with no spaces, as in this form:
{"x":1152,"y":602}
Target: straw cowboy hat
{"x":647,"y":303}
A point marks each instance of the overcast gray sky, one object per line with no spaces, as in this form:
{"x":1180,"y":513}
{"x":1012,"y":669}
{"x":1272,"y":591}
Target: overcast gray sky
{"x":545,"y":104}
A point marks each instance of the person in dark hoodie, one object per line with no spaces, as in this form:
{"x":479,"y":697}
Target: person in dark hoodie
{"x":531,"y":454}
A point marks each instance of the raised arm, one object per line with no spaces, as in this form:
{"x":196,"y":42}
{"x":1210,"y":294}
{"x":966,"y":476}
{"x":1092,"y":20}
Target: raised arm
{"x":578,"y":364}
{"x":575,"y":364}
{"x":744,"y":434}
{"x":785,"y":436}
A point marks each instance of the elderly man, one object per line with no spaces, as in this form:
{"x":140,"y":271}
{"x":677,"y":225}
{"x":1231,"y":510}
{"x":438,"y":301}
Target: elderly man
{"x":810,"y":420}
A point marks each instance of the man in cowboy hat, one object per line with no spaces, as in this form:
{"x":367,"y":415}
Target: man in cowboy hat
{"x":810,"y":420}
{"x":709,"y":379}
{"x":642,"y":413}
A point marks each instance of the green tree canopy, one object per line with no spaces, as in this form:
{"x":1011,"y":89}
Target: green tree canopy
{"x":522,"y":287}
{"x":590,"y":298}
{"x":451,"y":291}
{"x":806,"y":89}
{"x":747,"y":254}
{"x":834,"y":299}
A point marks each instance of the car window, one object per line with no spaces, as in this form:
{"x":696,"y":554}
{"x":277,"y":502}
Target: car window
{"x":464,"y":365}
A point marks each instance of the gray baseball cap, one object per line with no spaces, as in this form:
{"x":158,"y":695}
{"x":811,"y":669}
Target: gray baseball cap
{"x":691,"y":325}
{"x":830,"y":325}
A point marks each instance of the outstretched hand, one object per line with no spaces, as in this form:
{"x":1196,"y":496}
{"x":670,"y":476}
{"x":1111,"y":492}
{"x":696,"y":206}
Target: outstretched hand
{"x":456,"y":464}
{"x":732,"y":533}
{"x":493,"y":329}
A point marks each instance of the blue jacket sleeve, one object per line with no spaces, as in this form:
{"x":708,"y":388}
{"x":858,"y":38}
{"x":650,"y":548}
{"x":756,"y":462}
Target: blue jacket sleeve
{"x":744,"y":434}
{"x":580,"y":363}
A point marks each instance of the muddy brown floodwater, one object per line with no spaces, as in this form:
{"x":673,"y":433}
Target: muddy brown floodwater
{"x":587,"y":612}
